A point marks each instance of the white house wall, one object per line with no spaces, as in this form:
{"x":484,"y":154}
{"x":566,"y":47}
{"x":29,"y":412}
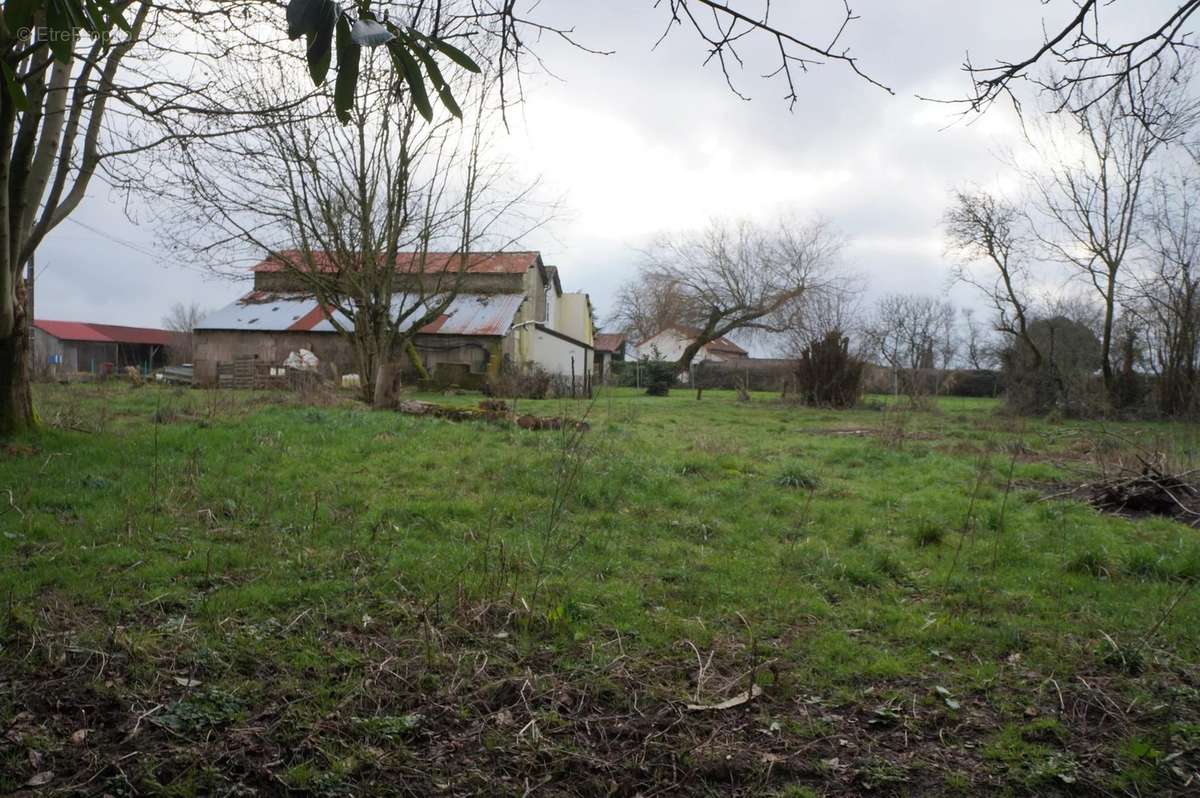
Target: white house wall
{"x":551,"y":353}
{"x":670,"y":346}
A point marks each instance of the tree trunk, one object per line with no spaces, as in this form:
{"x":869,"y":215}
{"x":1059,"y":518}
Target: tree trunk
{"x":689,"y":354}
{"x":387,"y":384}
{"x":365,"y":361}
{"x":414,"y":358}
{"x":1106,"y":369}
{"x":16,"y":399}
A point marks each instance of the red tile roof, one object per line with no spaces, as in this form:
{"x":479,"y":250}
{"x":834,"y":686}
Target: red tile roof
{"x":104,"y":333}
{"x":609,"y":342}
{"x":434,"y":262}
{"x":725,"y":345}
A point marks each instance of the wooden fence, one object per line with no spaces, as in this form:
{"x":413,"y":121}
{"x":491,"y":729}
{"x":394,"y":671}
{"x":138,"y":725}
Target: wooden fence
{"x":249,"y":373}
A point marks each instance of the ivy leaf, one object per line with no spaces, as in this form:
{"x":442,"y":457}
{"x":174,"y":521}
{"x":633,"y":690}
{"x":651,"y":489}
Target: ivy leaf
{"x":113,"y":15}
{"x":435,"y":77}
{"x":407,"y":66}
{"x":320,"y":54}
{"x":348,"y":56}
{"x":89,"y":17}
{"x":309,"y":16}
{"x":454,"y":54}
{"x":60,"y":24}
{"x":19,"y":13}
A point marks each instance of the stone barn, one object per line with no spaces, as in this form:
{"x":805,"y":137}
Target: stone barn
{"x":510,"y":309}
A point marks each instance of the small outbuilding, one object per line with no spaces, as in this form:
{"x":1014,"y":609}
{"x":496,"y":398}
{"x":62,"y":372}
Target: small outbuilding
{"x":68,"y":347}
{"x":610,"y":348}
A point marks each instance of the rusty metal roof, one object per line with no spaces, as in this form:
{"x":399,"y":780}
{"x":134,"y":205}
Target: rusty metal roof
{"x":468,"y":314}
{"x":480,"y":314}
{"x":429,"y":262}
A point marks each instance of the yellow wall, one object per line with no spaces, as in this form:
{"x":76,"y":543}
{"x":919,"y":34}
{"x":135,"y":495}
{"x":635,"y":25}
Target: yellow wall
{"x":574,"y":318}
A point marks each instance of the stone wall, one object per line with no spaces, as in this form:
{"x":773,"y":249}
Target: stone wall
{"x":478,"y":353}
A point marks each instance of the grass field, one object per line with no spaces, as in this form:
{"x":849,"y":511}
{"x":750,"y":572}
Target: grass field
{"x":234,"y":594}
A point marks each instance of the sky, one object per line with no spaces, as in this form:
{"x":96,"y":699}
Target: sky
{"x":647,"y":140}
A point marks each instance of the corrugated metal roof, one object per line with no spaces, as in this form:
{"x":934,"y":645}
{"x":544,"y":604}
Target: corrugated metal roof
{"x":481,"y":314}
{"x":468,"y":314}
{"x":103,"y":333}
{"x":259,"y":311}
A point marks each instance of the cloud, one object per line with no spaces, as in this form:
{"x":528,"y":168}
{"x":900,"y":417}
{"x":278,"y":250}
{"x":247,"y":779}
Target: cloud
{"x":649,"y":139}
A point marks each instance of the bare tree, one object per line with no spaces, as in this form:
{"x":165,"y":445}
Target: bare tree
{"x":1165,"y":295}
{"x":739,"y":277}
{"x":90,"y":85}
{"x":835,"y":307}
{"x":723,"y":28}
{"x":53,"y":103}
{"x":1080,"y":63}
{"x":644,"y":307}
{"x":729,"y":32}
{"x":912,"y":334}
{"x":1090,"y":196}
{"x":1078,"y":59}
{"x":379,"y":219}
{"x":181,"y":320}
{"x":978,"y":349}
{"x":990,"y":239}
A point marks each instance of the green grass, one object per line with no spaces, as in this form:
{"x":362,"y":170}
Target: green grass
{"x":321,"y":596}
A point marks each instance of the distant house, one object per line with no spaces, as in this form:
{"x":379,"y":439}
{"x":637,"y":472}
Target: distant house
{"x":671,"y":342}
{"x":67,"y":347}
{"x":510,"y":309}
{"x":610,"y":348}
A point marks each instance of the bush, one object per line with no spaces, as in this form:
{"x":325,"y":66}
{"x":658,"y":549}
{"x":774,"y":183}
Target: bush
{"x":658,"y":376}
{"x":515,"y":383}
{"x":828,"y":375}
{"x":1064,"y":380}
{"x":980,"y":383}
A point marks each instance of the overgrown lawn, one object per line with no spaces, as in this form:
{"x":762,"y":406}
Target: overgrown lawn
{"x":234,"y":593}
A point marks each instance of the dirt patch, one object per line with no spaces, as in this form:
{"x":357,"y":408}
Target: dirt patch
{"x":850,"y":432}
{"x":490,"y":411}
{"x":17,"y":450}
{"x":893,"y":435}
{"x":471,"y":711}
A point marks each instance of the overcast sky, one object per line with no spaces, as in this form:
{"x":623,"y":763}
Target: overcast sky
{"x":647,"y":140}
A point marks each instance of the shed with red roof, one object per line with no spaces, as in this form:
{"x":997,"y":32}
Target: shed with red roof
{"x":68,"y":347}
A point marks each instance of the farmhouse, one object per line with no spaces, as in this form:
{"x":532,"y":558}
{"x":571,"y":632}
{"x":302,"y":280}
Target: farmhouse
{"x":670,"y":343}
{"x":510,"y":310}
{"x":68,"y":347}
